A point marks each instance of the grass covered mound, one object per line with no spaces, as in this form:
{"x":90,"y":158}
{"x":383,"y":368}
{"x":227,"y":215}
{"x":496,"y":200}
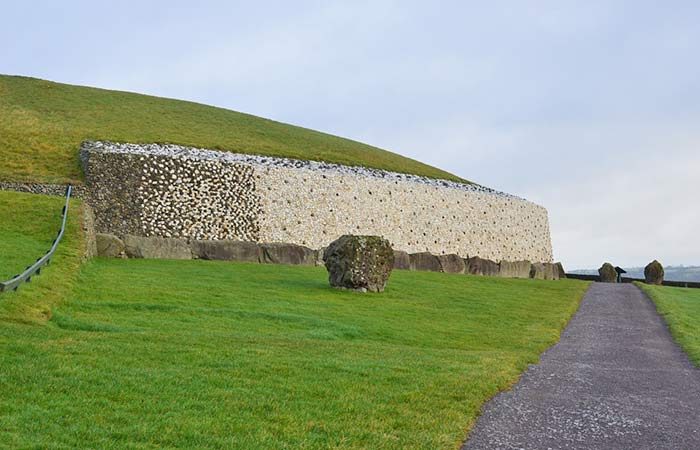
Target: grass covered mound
{"x":43,"y":123}
{"x":680,"y":307}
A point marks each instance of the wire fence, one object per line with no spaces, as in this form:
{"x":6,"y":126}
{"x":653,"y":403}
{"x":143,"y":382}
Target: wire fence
{"x":35,"y":269}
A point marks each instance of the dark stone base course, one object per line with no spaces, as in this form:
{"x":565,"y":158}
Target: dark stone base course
{"x":281,"y":253}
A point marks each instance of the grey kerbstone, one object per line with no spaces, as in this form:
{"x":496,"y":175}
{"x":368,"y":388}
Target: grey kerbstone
{"x":279,"y":253}
{"x":654,"y":273}
{"x":227,"y":250}
{"x":401,"y":260}
{"x":359,"y":263}
{"x":109,"y":245}
{"x":515,"y":269}
{"x":319,"y":256}
{"x":425,"y":261}
{"x":452,"y":263}
{"x":560,"y":271}
{"x":156,"y":248}
{"x":481,"y":266}
{"x":607,"y":273}
{"x":537,"y":271}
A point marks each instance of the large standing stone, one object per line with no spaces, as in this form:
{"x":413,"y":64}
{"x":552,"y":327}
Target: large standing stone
{"x":607,"y":273}
{"x":401,"y":260}
{"x":452,"y":263}
{"x":109,"y":246}
{"x":481,"y":266}
{"x":227,"y":250}
{"x":425,"y":261}
{"x":359,"y":263}
{"x":277,"y":253}
{"x":515,"y":269}
{"x":654,"y":273}
{"x":156,"y":248}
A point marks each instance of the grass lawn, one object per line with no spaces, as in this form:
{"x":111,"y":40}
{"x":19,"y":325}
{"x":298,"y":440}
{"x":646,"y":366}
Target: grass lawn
{"x":680,"y":307}
{"x":43,"y":123}
{"x":204,"y":354}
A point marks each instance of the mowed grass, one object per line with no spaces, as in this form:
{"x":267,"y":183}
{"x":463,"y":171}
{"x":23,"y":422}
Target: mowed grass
{"x":680,"y":307}
{"x":42,"y":124}
{"x":201,"y":354}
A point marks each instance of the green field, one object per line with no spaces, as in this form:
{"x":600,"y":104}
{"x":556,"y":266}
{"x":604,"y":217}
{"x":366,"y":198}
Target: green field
{"x":680,"y":307}
{"x":199,"y":354}
{"x":43,"y":123}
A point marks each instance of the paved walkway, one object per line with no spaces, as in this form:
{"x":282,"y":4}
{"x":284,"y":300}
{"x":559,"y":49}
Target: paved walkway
{"x":616,"y":380}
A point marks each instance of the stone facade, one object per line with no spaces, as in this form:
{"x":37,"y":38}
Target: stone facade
{"x":180,"y":192}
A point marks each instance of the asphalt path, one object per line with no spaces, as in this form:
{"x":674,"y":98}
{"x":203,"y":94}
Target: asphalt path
{"x":615,"y":380}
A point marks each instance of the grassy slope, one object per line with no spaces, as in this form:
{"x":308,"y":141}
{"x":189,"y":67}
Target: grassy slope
{"x":28,"y":225}
{"x":680,"y":307}
{"x":42,"y":124}
{"x":198,"y":354}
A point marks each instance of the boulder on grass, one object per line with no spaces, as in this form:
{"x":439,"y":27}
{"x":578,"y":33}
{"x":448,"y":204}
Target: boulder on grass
{"x":359,"y":263}
{"x":654,"y":273}
{"x":109,"y":246}
{"x":401,"y":260}
{"x":227,"y":250}
{"x":481,"y":266}
{"x":515,"y":269}
{"x":425,"y":261}
{"x":607,"y":273}
{"x":278,"y":253}
{"x":156,"y":248}
{"x":452,"y":263}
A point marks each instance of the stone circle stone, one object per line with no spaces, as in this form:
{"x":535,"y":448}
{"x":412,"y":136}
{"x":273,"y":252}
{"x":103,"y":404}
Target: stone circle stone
{"x":359,"y":263}
{"x":607,"y":273}
{"x":654,"y":273}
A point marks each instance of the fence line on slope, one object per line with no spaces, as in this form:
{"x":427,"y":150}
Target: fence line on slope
{"x":35,"y":269}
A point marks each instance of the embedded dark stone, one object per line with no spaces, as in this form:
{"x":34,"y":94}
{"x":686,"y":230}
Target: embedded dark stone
{"x":278,"y":253}
{"x":359,"y":263}
{"x":226,"y":250}
{"x":401,"y":260}
{"x":654,"y":273}
{"x":452,"y":263}
{"x":425,"y":261}
{"x":480,"y":266}
{"x":607,"y":273}
{"x":109,"y":245}
{"x":515,"y":269}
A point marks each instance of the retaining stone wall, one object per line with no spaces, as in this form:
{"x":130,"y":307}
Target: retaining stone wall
{"x":173,"y":191}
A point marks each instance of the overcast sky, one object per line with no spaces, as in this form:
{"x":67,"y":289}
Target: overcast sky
{"x":589,"y":108}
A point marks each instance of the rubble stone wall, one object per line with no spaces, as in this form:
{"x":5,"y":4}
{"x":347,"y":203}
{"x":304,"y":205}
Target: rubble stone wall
{"x":173,"y":191}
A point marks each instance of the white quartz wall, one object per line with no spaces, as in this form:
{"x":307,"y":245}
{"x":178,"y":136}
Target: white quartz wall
{"x":312,"y":208}
{"x":173,"y":191}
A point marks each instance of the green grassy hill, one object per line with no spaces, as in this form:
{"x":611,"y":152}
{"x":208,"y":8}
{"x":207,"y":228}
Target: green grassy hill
{"x":42,"y":124}
{"x":209,"y":354}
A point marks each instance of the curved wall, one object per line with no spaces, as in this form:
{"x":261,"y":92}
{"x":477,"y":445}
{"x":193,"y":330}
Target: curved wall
{"x":173,"y":191}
